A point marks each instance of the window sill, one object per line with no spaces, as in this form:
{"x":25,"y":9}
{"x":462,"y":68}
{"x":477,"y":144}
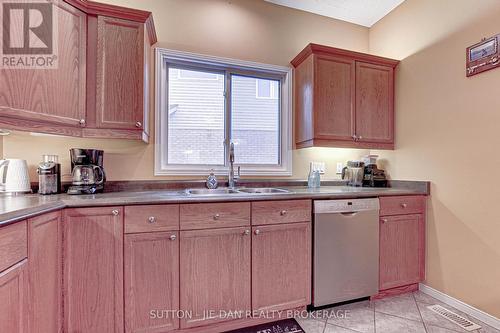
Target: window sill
{"x":191,"y":171}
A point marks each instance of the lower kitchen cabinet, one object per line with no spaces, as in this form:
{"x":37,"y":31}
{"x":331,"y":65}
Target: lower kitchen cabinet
{"x":45,"y":273}
{"x":93,"y":270}
{"x":214,"y":274}
{"x":151,"y":282}
{"x":13,"y":299}
{"x":281,"y":266}
{"x":402,"y":250}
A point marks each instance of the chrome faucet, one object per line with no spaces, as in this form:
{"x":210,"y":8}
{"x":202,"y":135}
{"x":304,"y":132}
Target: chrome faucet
{"x":232,"y":178}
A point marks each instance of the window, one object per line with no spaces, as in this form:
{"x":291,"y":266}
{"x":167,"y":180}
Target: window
{"x":204,"y":103}
{"x":266,"y":89}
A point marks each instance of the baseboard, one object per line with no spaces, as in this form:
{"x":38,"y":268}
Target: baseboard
{"x":459,"y":305}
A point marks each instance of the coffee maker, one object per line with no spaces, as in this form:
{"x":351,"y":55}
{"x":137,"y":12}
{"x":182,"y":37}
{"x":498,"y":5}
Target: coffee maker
{"x":87,"y":171}
{"x":373,"y":176}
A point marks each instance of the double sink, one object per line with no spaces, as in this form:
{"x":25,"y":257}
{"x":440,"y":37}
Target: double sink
{"x":243,"y":190}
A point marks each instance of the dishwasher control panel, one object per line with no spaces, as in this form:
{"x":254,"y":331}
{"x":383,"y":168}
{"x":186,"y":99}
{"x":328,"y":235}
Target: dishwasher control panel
{"x":345,"y":205}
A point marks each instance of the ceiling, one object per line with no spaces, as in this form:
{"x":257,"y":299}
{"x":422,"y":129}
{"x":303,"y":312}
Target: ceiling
{"x":362,"y":12}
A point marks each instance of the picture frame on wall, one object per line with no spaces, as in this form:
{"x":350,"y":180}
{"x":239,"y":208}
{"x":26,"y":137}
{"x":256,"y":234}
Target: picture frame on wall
{"x":483,"y":56}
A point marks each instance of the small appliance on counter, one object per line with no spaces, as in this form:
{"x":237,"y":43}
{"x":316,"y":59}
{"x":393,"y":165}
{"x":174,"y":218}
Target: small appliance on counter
{"x":353,"y":173}
{"x":373,"y":176}
{"x":87,"y":171}
{"x":49,"y":175}
{"x":14,"y":177}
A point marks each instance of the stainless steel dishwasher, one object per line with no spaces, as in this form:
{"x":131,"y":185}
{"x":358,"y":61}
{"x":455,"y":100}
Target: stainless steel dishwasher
{"x":345,"y":252}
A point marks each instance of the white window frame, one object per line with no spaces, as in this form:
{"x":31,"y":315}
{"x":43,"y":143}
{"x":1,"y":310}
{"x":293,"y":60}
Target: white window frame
{"x":165,"y":56}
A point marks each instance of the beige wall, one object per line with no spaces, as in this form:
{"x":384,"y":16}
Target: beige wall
{"x":447,"y":129}
{"x":243,"y":29}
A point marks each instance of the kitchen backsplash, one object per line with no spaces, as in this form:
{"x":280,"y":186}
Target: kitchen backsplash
{"x":131,"y":160}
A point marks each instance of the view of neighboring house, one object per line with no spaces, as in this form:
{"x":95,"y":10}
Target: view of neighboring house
{"x":197,"y":111}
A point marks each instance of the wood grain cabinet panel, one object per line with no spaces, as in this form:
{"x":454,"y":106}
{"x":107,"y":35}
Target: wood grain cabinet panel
{"x":120,"y":74}
{"x":51,"y":96}
{"x":214,"y":274}
{"x":334,"y":98}
{"x":13,"y":244}
{"x":149,"y":218}
{"x":374,"y":103}
{"x":281,"y":266}
{"x":151,"y":282}
{"x":402,"y":205}
{"x":402,"y":250}
{"x":214,"y":215}
{"x":45,"y":273}
{"x":343,"y":99}
{"x":13,"y":296}
{"x":275,"y":212}
{"x":93,"y":270}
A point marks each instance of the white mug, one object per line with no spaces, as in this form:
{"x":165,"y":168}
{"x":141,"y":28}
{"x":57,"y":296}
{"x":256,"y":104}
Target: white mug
{"x":14,"y":176}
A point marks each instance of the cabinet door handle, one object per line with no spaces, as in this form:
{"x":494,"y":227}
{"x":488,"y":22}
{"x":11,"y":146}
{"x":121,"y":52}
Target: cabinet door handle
{"x":152,"y":219}
{"x":384,"y":220}
{"x":173,"y":237}
{"x":246,"y":232}
{"x":257,"y":232}
{"x":115,"y":212}
{"x":283,"y":212}
{"x":82,"y":122}
{"x":360,"y":137}
{"x":354,"y":137}
{"x":216,"y":216}
{"x":138,"y":124}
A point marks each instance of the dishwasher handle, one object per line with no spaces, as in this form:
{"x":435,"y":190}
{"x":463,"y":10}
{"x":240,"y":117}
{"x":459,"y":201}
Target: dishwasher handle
{"x":349,"y":213}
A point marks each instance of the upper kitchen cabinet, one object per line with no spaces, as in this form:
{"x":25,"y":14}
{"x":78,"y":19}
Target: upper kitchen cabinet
{"x":343,"y":99}
{"x":120,"y":74}
{"x":99,"y":86}
{"x":50,"y":97}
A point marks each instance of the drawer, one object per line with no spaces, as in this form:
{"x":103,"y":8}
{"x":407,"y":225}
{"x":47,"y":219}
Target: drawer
{"x":214,"y":215}
{"x":402,"y":205}
{"x":13,"y":244}
{"x":273,"y":212}
{"x":151,"y":218}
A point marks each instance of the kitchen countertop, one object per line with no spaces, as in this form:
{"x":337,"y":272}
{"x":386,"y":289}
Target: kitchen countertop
{"x":16,"y":208}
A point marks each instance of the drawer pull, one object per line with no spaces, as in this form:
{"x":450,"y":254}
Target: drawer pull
{"x":173,"y":237}
{"x":246,"y":232}
{"x":115,"y":212}
{"x":404,"y":205}
{"x":138,"y":124}
{"x":257,"y":232}
{"x":152,"y":219}
{"x":216,"y":216}
{"x":384,"y":220}
{"x":283,"y":212}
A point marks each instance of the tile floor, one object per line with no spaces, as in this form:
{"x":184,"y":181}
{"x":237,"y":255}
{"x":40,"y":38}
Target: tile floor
{"x":399,"y":314}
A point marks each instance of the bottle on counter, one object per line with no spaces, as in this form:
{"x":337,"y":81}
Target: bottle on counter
{"x":314,"y":178}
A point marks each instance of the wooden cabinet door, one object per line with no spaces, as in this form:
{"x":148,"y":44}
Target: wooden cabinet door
{"x":120,"y":74}
{"x":55,"y":95}
{"x":45,"y":273}
{"x":151,"y":282}
{"x":214,"y":274}
{"x":374,"y":103}
{"x":402,"y":250}
{"x":281,"y":266}
{"x":93,"y":270}
{"x":334,"y":100}
{"x":13,"y":302}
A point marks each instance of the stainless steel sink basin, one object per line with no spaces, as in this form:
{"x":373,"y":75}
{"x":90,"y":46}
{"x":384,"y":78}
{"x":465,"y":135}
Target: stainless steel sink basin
{"x":227,"y":190}
{"x":263,"y":190}
{"x":206,"y":191}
